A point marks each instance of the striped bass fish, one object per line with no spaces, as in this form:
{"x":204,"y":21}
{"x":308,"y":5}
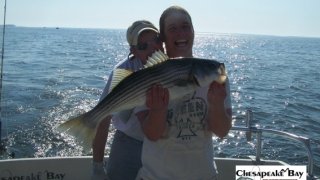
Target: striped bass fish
{"x":181,"y":76}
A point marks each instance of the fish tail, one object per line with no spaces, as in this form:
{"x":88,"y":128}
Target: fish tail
{"x":222,"y":74}
{"x":79,"y":128}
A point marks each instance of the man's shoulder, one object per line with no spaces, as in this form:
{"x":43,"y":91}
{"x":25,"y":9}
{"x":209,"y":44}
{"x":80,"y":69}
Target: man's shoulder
{"x":125,"y":62}
{"x":131,"y":63}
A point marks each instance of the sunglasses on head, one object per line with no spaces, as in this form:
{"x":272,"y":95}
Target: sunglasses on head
{"x":145,"y":45}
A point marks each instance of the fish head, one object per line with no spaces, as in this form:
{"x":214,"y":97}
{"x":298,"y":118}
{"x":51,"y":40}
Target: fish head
{"x":206,"y":71}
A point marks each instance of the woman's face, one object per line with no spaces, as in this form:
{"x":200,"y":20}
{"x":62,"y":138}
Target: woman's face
{"x":179,"y":35}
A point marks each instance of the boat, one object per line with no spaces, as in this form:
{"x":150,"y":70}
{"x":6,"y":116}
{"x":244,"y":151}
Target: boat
{"x":79,"y":167}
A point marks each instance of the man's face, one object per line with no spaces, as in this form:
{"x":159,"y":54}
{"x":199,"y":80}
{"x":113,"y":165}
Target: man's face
{"x":148,"y":43}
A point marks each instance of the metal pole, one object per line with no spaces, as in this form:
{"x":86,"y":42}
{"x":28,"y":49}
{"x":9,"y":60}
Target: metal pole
{"x":249,"y":119}
{"x":259,"y":146}
{"x":1,"y":75}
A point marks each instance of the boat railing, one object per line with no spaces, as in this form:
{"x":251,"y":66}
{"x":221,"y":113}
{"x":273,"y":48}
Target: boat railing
{"x":249,"y":129}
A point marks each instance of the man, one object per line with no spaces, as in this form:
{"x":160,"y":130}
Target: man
{"x":125,"y":155}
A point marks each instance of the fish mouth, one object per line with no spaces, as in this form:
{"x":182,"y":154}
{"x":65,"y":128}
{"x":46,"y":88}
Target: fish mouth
{"x":181,"y":43}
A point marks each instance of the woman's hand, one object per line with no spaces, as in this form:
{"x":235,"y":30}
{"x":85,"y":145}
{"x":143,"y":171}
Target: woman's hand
{"x":219,"y":118}
{"x":216,"y":93}
{"x":157,"y":101}
{"x":157,"y":98}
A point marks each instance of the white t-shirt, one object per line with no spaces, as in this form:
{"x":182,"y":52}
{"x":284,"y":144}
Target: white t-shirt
{"x":186,"y":150}
{"x":132,"y":127}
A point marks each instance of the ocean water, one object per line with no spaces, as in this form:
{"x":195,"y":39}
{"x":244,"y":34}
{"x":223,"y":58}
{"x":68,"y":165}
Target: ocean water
{"x":52,"y":74}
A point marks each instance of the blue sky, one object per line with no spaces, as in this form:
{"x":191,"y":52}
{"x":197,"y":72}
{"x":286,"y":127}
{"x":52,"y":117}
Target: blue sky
{"x":272,"y":17}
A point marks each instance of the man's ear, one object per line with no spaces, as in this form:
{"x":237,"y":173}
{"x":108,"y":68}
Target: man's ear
{"x":132,"y":50}
{"x":162,"y":38}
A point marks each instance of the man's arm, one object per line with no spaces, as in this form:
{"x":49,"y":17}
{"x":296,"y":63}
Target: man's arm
{"x":100,"y":140}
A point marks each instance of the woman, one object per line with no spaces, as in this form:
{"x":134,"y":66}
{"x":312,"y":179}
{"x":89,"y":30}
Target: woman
{"x":178,"y":139}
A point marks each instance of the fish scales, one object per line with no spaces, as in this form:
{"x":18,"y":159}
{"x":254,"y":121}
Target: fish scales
{"x":181,"y":76}
{"x":142,"y":84}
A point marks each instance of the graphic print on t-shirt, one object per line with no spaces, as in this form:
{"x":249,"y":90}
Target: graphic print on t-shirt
{"x":187,"y":118}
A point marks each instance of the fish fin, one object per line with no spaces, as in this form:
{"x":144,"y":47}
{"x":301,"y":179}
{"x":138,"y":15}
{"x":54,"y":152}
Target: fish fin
{"x":79,"y":128}
{"x":222,"y":74}
{"x":118,"y":75}
{"x":221,"y":79}
{"x":156,"y":58}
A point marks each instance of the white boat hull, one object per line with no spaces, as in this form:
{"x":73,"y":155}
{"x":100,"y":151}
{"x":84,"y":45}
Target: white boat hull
{"x":78,"y":168}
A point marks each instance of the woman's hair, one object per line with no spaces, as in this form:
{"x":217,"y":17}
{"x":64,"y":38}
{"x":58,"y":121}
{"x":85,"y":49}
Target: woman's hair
{"x":166,"y":13}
